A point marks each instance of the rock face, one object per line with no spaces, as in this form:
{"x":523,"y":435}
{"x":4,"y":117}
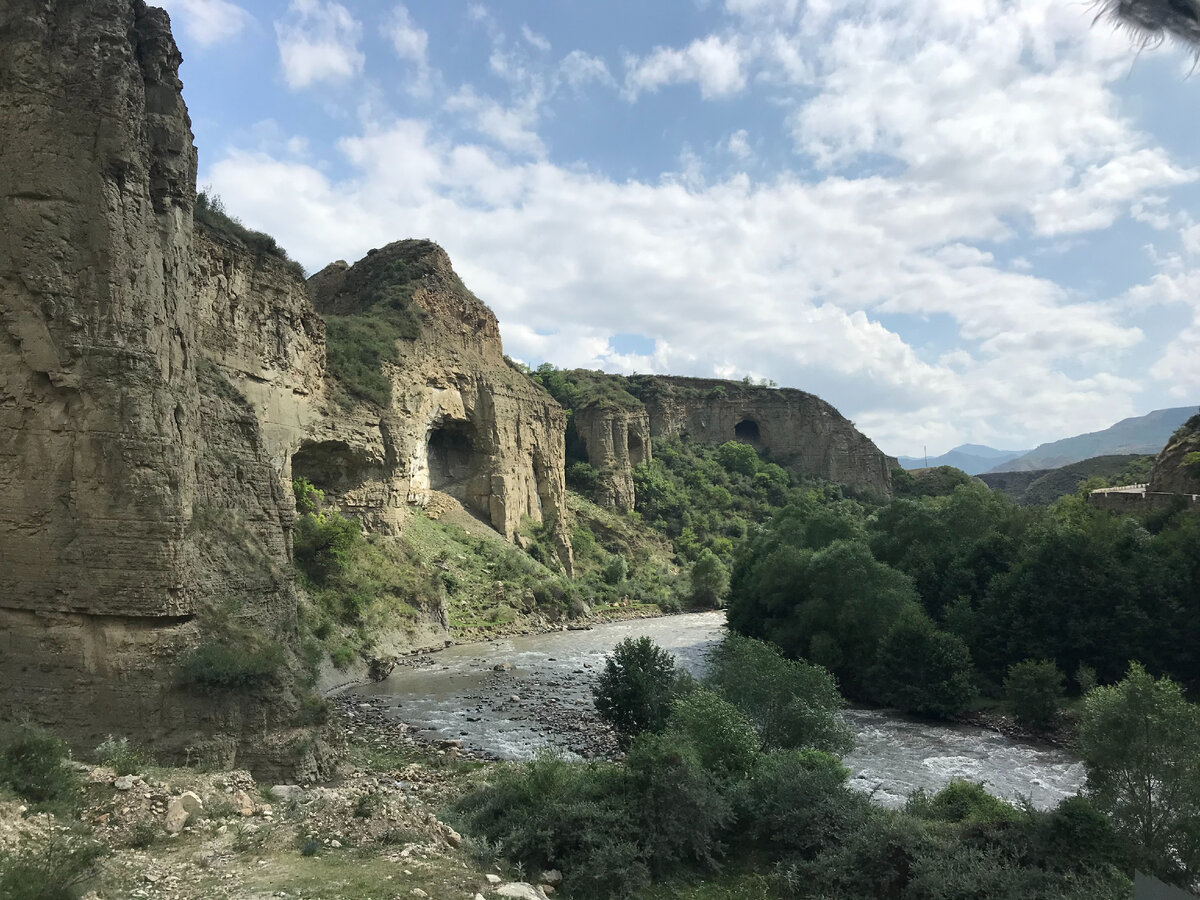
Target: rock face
{"x":142,"y":512}
{"x":1171,"y":475}
{"x":617,"y":439}
{"x":460,"y":419}
{"x":799,"y":430}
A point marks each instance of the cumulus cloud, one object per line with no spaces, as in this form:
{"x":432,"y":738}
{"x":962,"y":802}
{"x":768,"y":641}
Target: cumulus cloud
{"x":318,"y":41}
{"x":209,"y":22}
{"x":714,"y":63}
{"x":930,"y":136}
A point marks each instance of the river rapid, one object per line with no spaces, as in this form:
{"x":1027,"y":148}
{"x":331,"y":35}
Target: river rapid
{"x":507,"y":698}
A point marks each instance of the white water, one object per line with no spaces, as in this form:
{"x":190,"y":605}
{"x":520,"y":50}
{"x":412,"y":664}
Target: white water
{"x":892,"y":756}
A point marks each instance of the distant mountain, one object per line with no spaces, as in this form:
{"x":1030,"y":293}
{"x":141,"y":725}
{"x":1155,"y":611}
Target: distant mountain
{"x":971,"y":458}
{"x":1140,"y":434}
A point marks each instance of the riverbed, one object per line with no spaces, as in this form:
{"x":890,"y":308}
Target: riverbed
{"x":507,"y":698}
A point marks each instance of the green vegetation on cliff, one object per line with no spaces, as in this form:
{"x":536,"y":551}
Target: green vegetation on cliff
{"x":209,"y":212}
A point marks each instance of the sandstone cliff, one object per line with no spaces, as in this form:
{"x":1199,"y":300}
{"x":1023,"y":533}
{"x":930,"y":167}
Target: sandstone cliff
{"x":617,"y":419}
{"x":142,"y":512}
{"x":1173,"y":472}
{"x":456,"y":416}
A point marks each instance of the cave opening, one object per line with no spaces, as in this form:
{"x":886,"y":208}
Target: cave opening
{"x":747,"y":430}
{"x":330,"y":465}
{"x":451,"y":450}
{"x":637,"y":450}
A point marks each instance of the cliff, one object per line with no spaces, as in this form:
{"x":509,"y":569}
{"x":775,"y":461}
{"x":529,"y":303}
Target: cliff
{"x":454,"y":417}
{"x":616,"y":420}
{"x":1177,"y":466}
{"x":143,"y":517}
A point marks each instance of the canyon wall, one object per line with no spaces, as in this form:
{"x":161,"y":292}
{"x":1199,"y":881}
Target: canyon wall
{"x":798,"y":430}
{"x":142,"y":515}
{"x":1172,"y":473}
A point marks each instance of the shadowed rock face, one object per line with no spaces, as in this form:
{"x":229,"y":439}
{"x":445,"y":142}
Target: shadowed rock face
{"x":1171,"y":474}
{"x":461,"y":419}
{"x":138,"y":494}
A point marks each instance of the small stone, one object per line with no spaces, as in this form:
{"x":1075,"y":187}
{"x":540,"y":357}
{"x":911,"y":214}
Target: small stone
{"x":335,"y":844}
{"x":515,"y":698}
{"x":493,"y":879}
{"x":124,"y":783}
{"x":453,"y":838}
{"x":417,"y":892}
{"x":552,"y":877}
{"x":245,"y":805}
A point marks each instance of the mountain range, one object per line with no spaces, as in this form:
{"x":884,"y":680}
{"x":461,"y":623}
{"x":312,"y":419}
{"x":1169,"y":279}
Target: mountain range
{"x":1135,"y":435}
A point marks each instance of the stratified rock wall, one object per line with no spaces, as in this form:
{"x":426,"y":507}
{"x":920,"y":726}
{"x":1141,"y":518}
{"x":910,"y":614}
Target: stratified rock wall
{"x":141,"y":508}
{"x":461,"y":420}
{"x":799,"y":430}
{"x":617,"y":439}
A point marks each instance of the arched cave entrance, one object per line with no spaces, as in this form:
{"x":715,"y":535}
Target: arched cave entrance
{"x":637,"y":450}
{"x":451,"y":452}
{"x":746,"y":431}
{"x":330,"y":465}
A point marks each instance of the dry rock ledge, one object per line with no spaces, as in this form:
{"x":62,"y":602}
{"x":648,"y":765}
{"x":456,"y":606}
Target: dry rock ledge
{"x":161,"y":383}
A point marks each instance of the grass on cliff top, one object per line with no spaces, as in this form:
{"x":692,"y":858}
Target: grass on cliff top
{"x":210,"y":213}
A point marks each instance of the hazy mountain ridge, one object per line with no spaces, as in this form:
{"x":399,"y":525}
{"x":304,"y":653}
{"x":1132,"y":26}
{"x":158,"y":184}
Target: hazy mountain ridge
{"x":971,"y":458}
{"x":1134,"y":435}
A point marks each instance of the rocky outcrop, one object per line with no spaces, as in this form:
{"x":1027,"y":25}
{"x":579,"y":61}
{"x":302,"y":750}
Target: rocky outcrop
{"x":460,"y":418}
{"x":616,"y":440}
{"x":141,"y":509}
{"x":1176,"y":469}
{"x":798,"y":430}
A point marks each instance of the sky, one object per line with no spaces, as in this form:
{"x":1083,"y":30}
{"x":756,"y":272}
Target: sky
{"x":955,"y":220}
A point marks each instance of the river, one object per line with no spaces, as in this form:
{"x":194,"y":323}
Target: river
{"x":506,"y":698}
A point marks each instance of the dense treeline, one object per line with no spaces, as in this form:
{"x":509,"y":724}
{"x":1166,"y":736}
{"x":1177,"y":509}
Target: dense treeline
{"x":926,"y":598}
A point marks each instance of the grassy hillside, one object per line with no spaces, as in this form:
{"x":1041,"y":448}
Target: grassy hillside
{"x":1043,"y":487}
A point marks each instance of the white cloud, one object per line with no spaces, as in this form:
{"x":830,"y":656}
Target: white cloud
{"x":410,"y":42}
{"x":318,"y":41}
{"x":510,"y":126}
{"x":209,"y":22}
{"x":537,"y":40}
{"x":715,"y":64}
{"x":738,"y":145}
{"x":579,"y":69}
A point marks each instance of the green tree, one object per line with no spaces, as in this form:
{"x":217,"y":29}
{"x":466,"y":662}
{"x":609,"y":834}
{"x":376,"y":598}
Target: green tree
{"x":792,"y":704}
{"x":725,"y":739}
{"x":923,"y":670}
{"x":1140,"y":741}
{"x":710,"y":579}
{"x":1034,"y":690}
{"x":635,"y":691}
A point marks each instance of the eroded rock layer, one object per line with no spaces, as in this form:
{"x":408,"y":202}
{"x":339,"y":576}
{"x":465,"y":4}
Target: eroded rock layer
{"x":459,"y":419}
{"x":1177,"y":468}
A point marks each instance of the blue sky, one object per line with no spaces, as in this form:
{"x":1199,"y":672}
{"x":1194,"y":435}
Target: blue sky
{"x":954,"y":221}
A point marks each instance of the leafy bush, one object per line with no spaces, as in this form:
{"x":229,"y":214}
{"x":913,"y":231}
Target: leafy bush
{"x":679,"y":808}
{"x":47,"y":869}
{"x":309,"y":498}
{"x":922,"y":670}
{"x":323,"y":543}
{"x":792,"y":704}
{"x":710,"y":580}
{"x":224,"y":666}
{"x":961,"y":801}
{"x":122,"y":756}
{"x":725,"y":741}
{"x":1034,"y":688}
{"x":635,"y":691}
{"x":34,"y":764}
{"x":797,"y":801}
{"x":616,"y":570}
